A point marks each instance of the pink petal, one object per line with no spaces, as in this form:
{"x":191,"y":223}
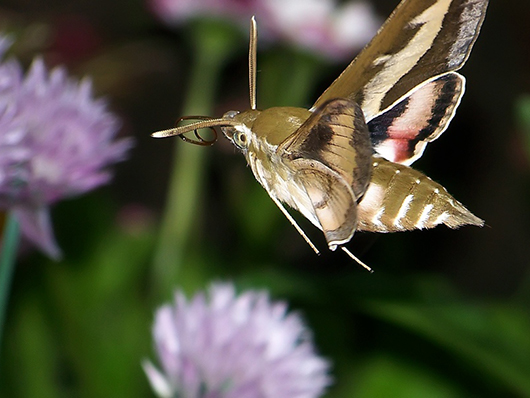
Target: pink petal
{"x":36,"y":226}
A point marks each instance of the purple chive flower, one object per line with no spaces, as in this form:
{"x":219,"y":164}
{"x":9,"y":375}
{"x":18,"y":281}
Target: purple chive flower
{"x":55,"y":142}
{"x":175,"y":12}
{"x":220,"y":345}
{"x":321,"y":26}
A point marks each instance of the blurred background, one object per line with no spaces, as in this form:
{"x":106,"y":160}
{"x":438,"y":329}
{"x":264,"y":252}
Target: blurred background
{"x":445,"y":314}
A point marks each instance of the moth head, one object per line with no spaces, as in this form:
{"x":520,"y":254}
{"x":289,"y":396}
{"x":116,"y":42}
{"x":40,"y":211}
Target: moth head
{"x":240,"y":133}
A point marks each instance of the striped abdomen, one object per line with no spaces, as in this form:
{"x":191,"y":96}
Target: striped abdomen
{"x":400,"y":198}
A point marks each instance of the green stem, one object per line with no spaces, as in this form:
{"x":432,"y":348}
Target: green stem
{"x":212,"y":44}
{"x":8,"y":256}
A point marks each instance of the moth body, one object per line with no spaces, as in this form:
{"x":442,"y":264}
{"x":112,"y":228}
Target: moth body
{"x":401,"y":198}
{"x":344,"y":163}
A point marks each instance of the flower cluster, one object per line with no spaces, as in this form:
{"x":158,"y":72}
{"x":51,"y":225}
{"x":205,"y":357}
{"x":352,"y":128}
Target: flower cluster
{"x":223,"y":345}
{"x":55,"y":142}
{"x":320,"y":26}
{"x":178,"y":11}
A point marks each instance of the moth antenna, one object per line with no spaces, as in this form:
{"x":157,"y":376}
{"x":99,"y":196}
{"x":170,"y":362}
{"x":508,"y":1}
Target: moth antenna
{"x":252,"y":61}
{"x":352,"y":256}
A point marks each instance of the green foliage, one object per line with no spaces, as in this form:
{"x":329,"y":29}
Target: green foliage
{"x":522,"y":115}
{"x":81,"y":326}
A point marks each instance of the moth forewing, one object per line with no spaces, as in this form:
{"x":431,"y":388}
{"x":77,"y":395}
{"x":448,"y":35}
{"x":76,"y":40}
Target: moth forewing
{"x":420,"y":40}
{"x":337,"y":136}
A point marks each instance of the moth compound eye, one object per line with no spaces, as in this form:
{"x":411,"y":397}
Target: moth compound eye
{"x":230,"y":114}
{"x":240,"y":139}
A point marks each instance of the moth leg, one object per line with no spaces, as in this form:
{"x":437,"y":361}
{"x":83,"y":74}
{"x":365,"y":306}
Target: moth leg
{"x":353,"y":257}
{"x":293,"y":222}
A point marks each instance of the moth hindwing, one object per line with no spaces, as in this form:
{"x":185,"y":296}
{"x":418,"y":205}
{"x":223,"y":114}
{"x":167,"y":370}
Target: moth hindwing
{"x":344,"y":163}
